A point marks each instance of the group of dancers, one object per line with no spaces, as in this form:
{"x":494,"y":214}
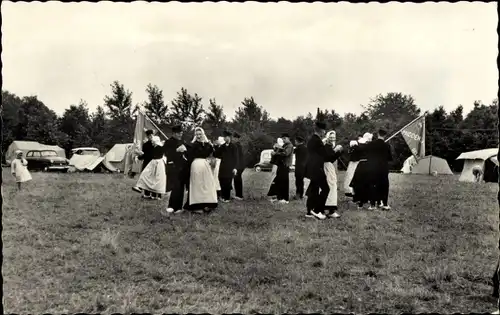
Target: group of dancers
{"x":204,"y":169}
{"x":207,"y":171}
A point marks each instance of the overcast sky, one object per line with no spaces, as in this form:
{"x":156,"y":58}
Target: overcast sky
{"x":292,"y":58}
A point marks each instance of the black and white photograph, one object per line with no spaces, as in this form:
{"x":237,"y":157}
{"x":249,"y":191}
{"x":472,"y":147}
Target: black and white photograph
{"x":250,"y":157}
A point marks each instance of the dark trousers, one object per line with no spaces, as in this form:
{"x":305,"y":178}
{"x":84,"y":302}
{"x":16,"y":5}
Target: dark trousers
{"x":238,"y":184}
{"x":177,"y":195}
{"x":381,"y":189}
{"x":226,"y":185}
{"x":283,"y":182}
{"x":316,"y":199}
{"x":299,"y":182}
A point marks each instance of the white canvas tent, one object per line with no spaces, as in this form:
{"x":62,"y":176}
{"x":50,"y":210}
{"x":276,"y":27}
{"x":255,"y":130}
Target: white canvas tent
{"x":435,"y":164}
{"x":485,"y":160}
{"x":408,"y":165}
{"x":27,"y":146}
{"x":114,"y":159}
{"x":84,"y":162}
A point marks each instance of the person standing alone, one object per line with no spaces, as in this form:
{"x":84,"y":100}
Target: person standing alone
{"x":300,"y":166}
{"x":240,"y":167}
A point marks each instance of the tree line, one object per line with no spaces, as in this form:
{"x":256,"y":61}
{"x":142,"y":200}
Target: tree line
{"x":447,"y":134}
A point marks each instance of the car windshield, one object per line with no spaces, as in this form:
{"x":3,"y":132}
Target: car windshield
{"x":48,"y":153}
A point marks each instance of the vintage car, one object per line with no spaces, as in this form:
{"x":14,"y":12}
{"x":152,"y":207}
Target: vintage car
{"x":86,"y":151}
{"x":46,"y":160}
{"x":265,"y":162}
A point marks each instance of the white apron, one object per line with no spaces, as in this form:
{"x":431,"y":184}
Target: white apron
{"x":331,"y":178}
{"x":216,"y":173}
{"x":202,"y":185}
{"x":351,"y":168}
{"x":153,"y":178}
{"x":19,"y":167}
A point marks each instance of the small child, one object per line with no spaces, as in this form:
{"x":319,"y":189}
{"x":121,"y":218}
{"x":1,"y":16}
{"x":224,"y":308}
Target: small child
{"x":19,"y":169}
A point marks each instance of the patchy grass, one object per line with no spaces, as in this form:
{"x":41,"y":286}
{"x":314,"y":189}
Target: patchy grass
{"x":87,"y":243}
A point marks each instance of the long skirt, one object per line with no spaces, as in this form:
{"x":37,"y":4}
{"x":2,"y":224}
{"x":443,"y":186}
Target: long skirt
{"x":351,"y":168}
{"x":202,"y":186}
{"x":362,"y":183}
{"x":216,"y":173}
{"x":153,"y":178}
{"x":331,"y":178}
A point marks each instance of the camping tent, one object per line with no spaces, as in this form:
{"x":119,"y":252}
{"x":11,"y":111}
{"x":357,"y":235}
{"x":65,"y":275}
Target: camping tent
{"x":408,"y":165}
{"x":485,"y":160}
{"x":114,"y":160}
{"x":85,"y":163}
{"x":26,"y":146}
{"x":438,"y":166}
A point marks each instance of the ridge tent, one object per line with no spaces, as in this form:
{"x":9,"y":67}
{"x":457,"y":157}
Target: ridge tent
{"x":114,"y":160}
{"x":408,"y":165}
{"x":438,"y":166}
{"x":85,"y":163}
{"x":485,"y":160}
{"x":26,"y":146}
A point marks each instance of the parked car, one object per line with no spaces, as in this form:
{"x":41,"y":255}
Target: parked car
{"x":265,"y":162}
{"x":46,"y":160}
{"x":86,"y":151}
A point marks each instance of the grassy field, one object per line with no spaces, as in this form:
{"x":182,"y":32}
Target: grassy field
{"x":87,"y":243}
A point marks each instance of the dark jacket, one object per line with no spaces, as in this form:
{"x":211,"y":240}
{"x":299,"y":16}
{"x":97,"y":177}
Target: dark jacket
{"x":241,"y":157}
{"x":286,"y":153}
{"x":379,"y":156}
{"x":198,"y":150}
{"x":300,"y":158}
{"x":316,"y":154}
{"x":228,"y":153}
{"x":331,"y":155}
{"x":175,"y":159}
{"x":354,"y":153}
{"x":147,"y":149}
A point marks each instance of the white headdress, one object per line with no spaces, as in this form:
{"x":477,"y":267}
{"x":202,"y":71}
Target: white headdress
{"x":328,"y":134}
{"x":353,"y":143}
{"x":204,"y":138}
{"x":221,"y":140}
{"x":368,"y":137}
{"x":156,"y":141}
{"x":280,"y":142}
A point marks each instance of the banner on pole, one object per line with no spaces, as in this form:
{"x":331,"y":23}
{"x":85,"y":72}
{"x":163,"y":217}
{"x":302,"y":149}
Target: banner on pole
{"x":414,"y":135}
{"x":142,"y":124}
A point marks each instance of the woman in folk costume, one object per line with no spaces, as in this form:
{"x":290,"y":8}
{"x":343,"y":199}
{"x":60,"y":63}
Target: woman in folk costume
{"x":361,"y":181}
{"x":202,"y":192}
{"x":351,"y":168}
{"x":19,"y":169}
{"x":333,"y":152}
{"x":275,"y":160}
{"x":153,"y":179}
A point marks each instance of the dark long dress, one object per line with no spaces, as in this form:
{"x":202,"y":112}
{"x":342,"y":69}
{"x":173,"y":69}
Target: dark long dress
{"x":362,"y":179}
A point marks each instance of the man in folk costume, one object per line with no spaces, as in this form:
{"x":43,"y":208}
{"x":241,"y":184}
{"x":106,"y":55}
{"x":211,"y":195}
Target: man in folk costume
{"x":333,"y":152}
{"x":318,"y":189}
{"x":379,"y":164}
{"x":275,"y":160}
{"x":177,"y":170}
{"x":282,"y":179}
{"x":300,"y":152}
{"x":228,"y":153}
{"x":240,"y":167}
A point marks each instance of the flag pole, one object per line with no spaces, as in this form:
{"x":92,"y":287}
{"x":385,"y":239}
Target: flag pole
{"x":414,"y":120}
{"x":430,"y":148}
{"x":154,"y":125}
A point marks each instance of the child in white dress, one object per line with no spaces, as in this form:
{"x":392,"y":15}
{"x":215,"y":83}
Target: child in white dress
{"x":19,"y":169}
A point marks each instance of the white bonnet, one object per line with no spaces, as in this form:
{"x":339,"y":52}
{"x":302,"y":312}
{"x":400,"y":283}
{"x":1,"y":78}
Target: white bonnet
{"x":280,"y":142}
{"x":368,"y":136}
{"x":353,"y":143}
{"x":156,"y":140}
{"x":220,"y":140}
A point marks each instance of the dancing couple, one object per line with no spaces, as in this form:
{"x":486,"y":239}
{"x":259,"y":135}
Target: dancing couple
{"x":322,"y":173}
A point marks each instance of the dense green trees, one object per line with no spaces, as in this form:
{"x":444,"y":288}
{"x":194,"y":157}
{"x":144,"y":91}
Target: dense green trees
{"x":447,"y":134}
